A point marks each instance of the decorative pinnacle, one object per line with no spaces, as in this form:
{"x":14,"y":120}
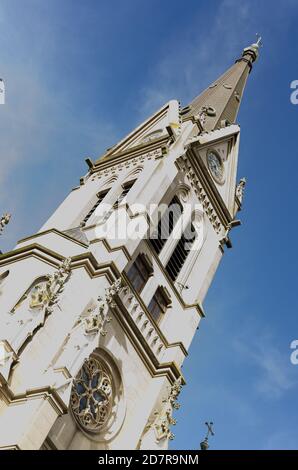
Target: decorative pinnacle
{"x":205,"y":444}
{"x":4,"y":220}
{"x":253,"y":50}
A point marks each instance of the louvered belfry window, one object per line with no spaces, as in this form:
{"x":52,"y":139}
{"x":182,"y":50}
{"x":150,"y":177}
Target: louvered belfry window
{"x":181,"y":252}
{"x":100,"y":198}
{"x":126,"y":188}
{"x":166,"y":224}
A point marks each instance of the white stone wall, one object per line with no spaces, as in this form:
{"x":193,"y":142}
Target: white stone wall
{"x":32,"y":401}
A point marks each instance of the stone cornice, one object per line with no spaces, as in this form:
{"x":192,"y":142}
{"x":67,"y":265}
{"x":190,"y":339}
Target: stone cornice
{"x":216,"y":136}
{"x":57,"y":232}
{"x":111,"y":249}
{"x":132,"y":155}
{"x":77,"y":242}
{"x":47,"y":393}
{"x":85,"y":260}
{"x":34,"y":249}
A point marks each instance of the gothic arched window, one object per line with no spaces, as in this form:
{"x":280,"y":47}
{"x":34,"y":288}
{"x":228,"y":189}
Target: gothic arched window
{"x":100,"y":197}
{"x":126,"y":187}
{"x":181,"y":251}
{"x":190,"y":241}
{"x":166,"y":224}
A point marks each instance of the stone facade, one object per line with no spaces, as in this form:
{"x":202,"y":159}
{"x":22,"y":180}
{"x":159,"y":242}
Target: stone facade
{"x":84,"y":364}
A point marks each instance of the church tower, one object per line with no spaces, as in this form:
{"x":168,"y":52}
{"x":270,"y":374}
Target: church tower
{"x":98,"y":309}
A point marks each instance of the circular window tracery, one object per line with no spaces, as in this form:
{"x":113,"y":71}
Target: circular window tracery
{"x":92,"y":395}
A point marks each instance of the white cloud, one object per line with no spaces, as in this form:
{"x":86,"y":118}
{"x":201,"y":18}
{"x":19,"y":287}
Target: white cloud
{"x":38,"y":127}
{"x":195,"y":56}
{"x":273,"y":374}
{"x":194,"y":60}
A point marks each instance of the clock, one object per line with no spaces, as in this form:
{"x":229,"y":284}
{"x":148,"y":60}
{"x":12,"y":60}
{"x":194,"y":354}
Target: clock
{"x":216,"y":166}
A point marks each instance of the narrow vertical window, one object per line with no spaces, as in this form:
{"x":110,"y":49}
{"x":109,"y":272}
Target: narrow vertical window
{"x":166,"y":224}
{"x":158,"y":304}
{"x":100,"y":198}
{"x":139,"y":272}
{"x":125,"y":190}
{"x":181,"y":252}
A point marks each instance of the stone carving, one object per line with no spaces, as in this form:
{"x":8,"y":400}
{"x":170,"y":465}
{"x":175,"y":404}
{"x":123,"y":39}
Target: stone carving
{"x":111,"y":291}
{"x":206,"y":111}
{"x":82,"y":340}
{"x":194,"y":182}
{"x":31,"y":311}
{"x":4,"y":220}
{"x":240,"y":189}
{"x":165,"y":419}
{"x":94,"y":322}
{"x":161,"y":424}
{"x":202,"y":117}
{"x":237,"y":96}
{"x":183,"y":194}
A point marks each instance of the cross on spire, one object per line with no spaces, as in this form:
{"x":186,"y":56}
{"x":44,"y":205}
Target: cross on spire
{"x":259,"y":42}
{"x":209,"y":429}
{"x":205,"y":444}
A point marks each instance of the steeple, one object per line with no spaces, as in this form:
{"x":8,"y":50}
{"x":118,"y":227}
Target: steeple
{"x":219,"y":104}
{"x":99,"y":308}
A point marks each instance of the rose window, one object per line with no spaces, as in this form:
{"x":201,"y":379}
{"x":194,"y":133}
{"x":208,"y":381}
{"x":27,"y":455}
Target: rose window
{"x":92,"y":395}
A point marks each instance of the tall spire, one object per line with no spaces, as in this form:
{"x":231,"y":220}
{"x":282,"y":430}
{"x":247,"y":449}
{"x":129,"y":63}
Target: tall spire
{"x":219,"y":104}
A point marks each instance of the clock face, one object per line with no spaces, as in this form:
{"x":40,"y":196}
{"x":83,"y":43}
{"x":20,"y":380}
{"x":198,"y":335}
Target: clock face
{"x":215,"y":166}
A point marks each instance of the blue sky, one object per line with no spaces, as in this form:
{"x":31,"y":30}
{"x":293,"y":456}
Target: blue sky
{"x":79,"y":76}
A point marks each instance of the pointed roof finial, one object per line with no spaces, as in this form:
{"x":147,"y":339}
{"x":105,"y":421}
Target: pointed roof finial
{"x":259,"y":40}
{"x":252,"y":52}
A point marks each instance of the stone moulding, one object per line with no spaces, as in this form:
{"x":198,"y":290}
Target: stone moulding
{"x":195,"y":183}
{"x":207,"y":193}
{"x":127,"y":161}
{"x":141,"y":320}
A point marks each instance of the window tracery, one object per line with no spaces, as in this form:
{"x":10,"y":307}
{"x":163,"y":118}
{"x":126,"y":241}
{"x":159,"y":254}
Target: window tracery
{"x":92,"y":395}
